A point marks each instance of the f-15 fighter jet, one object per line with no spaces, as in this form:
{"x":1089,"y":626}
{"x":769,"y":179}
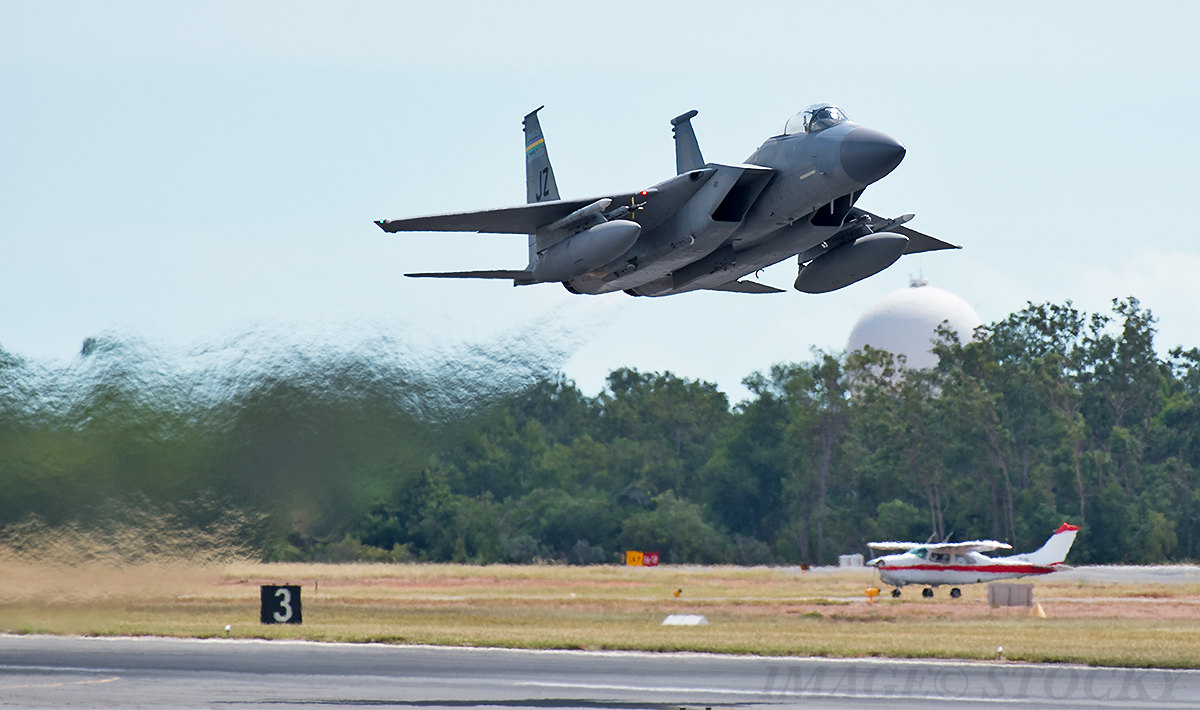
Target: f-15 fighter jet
{"x":712,"y":223}
{"x":962,"y":562}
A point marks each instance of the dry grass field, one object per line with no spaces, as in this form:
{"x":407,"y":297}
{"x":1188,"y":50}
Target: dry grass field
{"x":774,"y":611}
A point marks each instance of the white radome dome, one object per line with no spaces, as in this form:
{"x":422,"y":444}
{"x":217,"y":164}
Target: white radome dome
{"x":906,"y":321}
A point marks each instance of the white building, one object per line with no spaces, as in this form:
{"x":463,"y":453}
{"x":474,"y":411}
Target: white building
{"x":906,"y":321}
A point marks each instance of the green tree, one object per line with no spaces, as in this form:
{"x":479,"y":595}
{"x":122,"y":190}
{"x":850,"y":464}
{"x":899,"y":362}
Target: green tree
{"x":678,"y":529}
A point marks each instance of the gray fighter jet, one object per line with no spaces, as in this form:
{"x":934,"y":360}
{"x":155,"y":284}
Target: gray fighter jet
{"x":712,"y":223}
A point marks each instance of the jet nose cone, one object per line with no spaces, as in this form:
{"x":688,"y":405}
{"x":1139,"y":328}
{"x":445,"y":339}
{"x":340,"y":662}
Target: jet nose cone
{"x":867,"y":155}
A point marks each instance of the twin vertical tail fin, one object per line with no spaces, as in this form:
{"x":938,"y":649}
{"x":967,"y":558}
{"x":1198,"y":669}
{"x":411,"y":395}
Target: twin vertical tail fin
{"x":539,"y":174}
{"x":1056,"y":548}
{"x":687,"y":148}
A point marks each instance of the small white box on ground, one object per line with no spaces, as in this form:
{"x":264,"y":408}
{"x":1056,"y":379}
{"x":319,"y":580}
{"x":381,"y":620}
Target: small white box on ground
{"x":855,"y":560}
{"x":685,"y":620}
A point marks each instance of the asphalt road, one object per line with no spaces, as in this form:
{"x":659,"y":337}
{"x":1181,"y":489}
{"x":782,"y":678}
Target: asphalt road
{"x":42,"y":671}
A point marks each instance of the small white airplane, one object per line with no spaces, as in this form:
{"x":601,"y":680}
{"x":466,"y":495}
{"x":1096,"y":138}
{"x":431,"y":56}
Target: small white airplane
{"x":956,"y":563}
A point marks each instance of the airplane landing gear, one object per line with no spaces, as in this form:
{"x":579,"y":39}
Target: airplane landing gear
{"x":896,"y":593}
{"x":927,"y":592}
{"x":955,"y":593}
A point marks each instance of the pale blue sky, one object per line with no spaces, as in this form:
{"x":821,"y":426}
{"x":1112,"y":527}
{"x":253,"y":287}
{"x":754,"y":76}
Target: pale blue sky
{"x":180,"y":171}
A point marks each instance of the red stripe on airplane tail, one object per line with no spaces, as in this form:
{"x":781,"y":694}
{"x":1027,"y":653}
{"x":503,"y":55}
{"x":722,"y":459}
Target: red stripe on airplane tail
{"x":1065,"y":527}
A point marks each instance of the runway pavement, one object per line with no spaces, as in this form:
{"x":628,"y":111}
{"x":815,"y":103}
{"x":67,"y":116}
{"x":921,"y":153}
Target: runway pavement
{"x":43,"y":671}
{"x":1131,"y":574}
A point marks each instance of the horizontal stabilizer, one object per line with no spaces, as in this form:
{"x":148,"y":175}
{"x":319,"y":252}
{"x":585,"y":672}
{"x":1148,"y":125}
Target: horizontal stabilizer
{"x":526,"y":276}
{"x":744,"y":287}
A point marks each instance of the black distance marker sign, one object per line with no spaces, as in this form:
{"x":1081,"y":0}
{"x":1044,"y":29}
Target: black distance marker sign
{"x":281,"y":604}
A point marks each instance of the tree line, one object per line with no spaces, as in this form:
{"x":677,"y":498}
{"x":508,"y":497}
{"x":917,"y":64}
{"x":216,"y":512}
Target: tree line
{"x":1049,"y":415}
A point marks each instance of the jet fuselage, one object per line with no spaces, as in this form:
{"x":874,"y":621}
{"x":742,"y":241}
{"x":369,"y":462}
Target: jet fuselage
{"x":815,"y":179}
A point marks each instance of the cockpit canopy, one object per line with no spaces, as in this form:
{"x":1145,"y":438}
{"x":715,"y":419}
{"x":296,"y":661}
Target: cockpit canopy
{"x":814,"y":118}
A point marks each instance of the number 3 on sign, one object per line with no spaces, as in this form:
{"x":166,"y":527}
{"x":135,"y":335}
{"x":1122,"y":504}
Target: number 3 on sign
{"x":285,"y":603}
{"x":280,"y":604}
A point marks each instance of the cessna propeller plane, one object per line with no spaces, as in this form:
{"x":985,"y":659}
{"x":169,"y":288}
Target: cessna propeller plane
{"x":961,"y":562}
{"x":712,"y":223}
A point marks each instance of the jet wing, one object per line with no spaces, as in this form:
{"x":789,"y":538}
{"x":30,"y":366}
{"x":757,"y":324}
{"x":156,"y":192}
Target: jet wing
{"x":665,"y":198}
{"x":523,"y":219}
{"x":744,"y":287}
{"x":648,"y":207}
{"x":917,"y":242}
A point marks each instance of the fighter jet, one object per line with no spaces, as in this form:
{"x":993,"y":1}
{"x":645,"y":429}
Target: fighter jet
{"x":713,"y":223}
{"x":962,"y":563}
